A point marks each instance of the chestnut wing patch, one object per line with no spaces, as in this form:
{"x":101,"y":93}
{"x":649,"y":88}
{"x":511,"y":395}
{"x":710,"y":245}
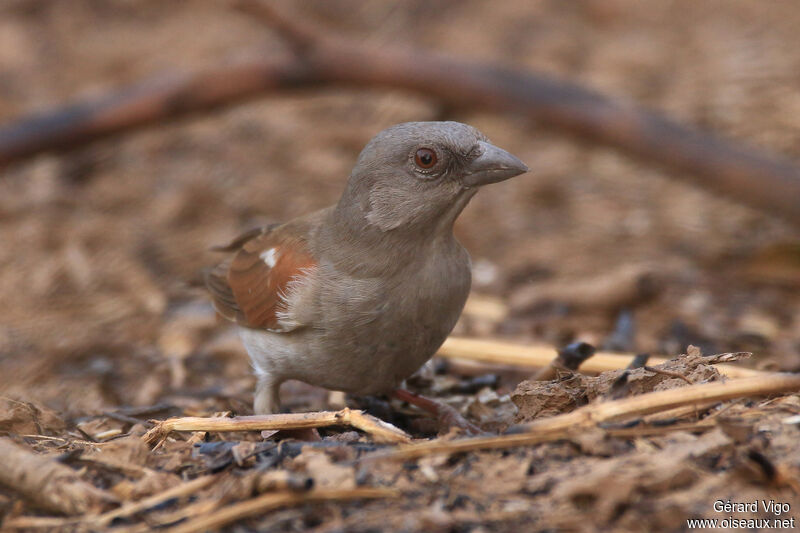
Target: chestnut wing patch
{"x":252,"y":288}
{"x":263,"y":274}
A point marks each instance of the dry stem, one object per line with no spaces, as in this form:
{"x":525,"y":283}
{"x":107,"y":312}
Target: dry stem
{"x":179,"y":491}
{"x":268,"y":502}
{"x":538,"y":356}
{"x":102,"y":520}
{"x":380,"y":430}
{"x":562,"y":426}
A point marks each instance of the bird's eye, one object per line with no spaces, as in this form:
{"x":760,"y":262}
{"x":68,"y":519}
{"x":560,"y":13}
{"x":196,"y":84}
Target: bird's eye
{"x":425,"y":158}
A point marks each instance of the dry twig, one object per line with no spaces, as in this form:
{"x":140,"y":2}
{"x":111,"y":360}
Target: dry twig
{"x":679,"y":412}
{"x":380,"y":430}
{"x":668,"y":373}
{"x":179,"y":491}
{"x":270,"y":501}
{"x":562,"y":426}
{"x":103,"y":520}
{"x":538,"y":355}
{"x":648,"y":431}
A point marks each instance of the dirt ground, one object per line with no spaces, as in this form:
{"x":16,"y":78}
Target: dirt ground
{"x":104,"y":325}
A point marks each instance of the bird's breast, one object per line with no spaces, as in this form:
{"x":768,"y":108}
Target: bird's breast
{"x":381,"y":330}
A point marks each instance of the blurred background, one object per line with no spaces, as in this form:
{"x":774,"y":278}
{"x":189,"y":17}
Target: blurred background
{"x":101,"y":247}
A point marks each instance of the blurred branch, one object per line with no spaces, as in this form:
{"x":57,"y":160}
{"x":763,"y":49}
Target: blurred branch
{"x":753,"y":177}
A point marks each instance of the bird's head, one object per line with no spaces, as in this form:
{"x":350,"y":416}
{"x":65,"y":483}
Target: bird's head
{"x":422,"y":174}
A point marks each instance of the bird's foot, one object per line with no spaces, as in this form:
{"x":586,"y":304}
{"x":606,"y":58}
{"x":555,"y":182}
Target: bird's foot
{"x":448,"y":417}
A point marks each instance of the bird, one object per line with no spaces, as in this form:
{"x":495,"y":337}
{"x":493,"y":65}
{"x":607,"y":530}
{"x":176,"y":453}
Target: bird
{"x":356,"y":297}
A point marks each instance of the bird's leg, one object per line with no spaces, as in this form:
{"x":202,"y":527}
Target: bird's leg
{"x":446,"y":415}
{"x":266,"y":400}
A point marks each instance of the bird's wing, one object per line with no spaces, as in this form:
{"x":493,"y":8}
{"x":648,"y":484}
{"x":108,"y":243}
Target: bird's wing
{"x":253,"y":288}
{"x":242,"y":239}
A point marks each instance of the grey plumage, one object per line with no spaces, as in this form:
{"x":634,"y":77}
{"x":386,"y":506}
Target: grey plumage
{"x":356,"y":297}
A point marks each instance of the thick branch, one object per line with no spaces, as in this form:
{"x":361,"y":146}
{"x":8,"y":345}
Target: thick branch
{"x":753,"y":177}
{"x":148,"y":103}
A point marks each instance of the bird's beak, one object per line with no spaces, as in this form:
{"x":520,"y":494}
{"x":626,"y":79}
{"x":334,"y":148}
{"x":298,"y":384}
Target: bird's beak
{"x":493,"y":165}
